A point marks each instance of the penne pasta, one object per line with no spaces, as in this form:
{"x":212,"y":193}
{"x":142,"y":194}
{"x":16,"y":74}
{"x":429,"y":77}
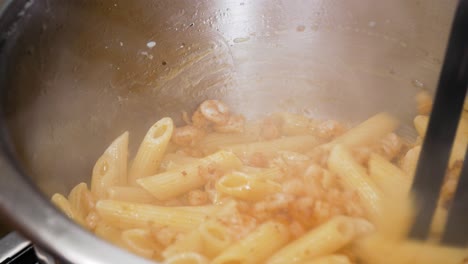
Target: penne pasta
{"x":270,"y":147}
{"x":388,"y":177}
{"x":461,"y":139}
{"x":175,"y":160}
{"x":321,"y":241}
{"x":273,"y":173}
{"x":151,"y":150}
{"x":376,"y":249}
{"x":171,"y":184}
{"x":410,"y":161}
{"x":109,"y":233}
{"x":111,"y":167}
{"x":368,"y":132}
{"x":215,"y":238}
{"x":190,"y":242}
{"x":132,"y":215}
{"x":439,"y":220}
{"x":331,"y":259}
{"x":130,"y":194}
{"x":257,"y":246}
{"x":209,"y":239}
{"x":139,"y":241}
{"x":216,"y":141}
{"x":286,"y":189}
{"x":420,"y":123}
{"x":187,"y":258}
{"x":354,"y":177}
{"x":64,"y":205}
{"x":245,"y":187}
{"x":81,"y":200}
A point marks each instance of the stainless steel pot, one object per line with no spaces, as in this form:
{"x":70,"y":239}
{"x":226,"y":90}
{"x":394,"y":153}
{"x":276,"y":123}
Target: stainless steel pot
{"x":75,"y":74}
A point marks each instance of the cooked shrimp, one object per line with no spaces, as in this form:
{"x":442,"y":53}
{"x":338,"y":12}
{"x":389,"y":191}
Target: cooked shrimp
{"x":235,"y":124}
{"x":187,"y":135}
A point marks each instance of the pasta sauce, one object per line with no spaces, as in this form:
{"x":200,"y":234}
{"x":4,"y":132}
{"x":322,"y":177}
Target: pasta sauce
{"x":284,"y":189}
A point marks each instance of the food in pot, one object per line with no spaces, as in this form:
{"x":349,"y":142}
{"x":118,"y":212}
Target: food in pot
{"x":285,"y":189}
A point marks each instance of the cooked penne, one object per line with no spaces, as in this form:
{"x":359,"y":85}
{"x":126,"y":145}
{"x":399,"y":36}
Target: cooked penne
{"x":321,"y":241}
{"x":111,"y":167}
{"x":331,"y":259}
{"x":133,"y":215}
{"x":216,"y":141}
{"x":174,"y":160}
{"x":215,"y":237}
{"x":410,"y":161}
{"x":209,"y":239}
{"x":139,"y":241}
{"x":355,"y":178}
{"x":81,"y":200}
{"x":151,"y":150}
{"x":130,"y":194}
{"x":270,"y":147}
{"x":376,"y":249}
{"x":171,"y":184}
{"x":257,"y":246}
{"x":245,"y":187}
{"x":388,"y":177}
{"x":285,"y":189}
{"x":368,"y":132}
{"x":461,"y":139}
{"x":439,"y":220}
{"x":64,"y":205}
{"x":109,"y":233}
{"x":420,"y":123}
{"x":189,"y":242}
{"x":273,"y":173}
{"x":187,"y":258}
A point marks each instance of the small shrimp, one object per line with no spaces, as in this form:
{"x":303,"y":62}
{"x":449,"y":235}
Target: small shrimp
{"x":187,"y":136}
{"x":235,"y":124}
{"x":199,"y":120}
{"x":330,"y":129}
{"x":424,"y":103}
{"x":215,"y":111}
{"x":391,"y":145}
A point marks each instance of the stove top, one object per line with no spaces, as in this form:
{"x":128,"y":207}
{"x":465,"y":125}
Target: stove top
{"x":14,"y":249}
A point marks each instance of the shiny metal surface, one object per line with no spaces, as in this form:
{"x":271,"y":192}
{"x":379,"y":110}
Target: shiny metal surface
{"x":11,"y":245}
{"x":77,"y":73}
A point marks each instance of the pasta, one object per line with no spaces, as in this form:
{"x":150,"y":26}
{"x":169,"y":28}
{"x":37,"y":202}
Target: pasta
{"x":131,"y":215}
{"x":245,"y":187}
{"x":321,"y":241}
{"x":151,"y":151}
{"x":170,"y":184}
{"x":268,"y":148}
{"x":111,"y":167}
{"x":368,"y":132}
{"x":388,"y":177}
{"x":355,"y":178}
{"x":285,"y":189}
{"x":130,"y":194}
{"x":257,"y":246}
{"x":331,"y":259}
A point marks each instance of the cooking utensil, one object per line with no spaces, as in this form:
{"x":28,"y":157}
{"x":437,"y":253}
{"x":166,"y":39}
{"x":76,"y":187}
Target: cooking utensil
{"x":439,"y":138}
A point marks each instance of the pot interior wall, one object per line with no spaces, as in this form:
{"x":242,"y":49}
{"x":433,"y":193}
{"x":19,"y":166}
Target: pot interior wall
{"x":81,"y":72}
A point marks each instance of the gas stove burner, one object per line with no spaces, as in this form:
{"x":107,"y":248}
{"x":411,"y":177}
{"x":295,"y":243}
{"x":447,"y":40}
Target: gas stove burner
{"x":14,"y":249}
